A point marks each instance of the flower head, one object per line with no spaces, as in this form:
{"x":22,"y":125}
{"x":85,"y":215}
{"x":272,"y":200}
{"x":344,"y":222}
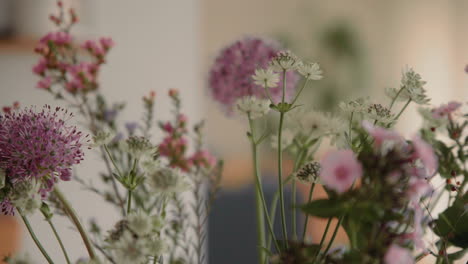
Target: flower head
{"x":167,"y":181}
{"x":340,"y":169}
{"x":287,"y":139}
{"x":140,"y":223}
{"x":310,"y":70}
{"x":412,"y":87}
{"x":424,"y":152}
{"x":382,"y":135}
{"x":285,"y":61}
{"x":266,"y":78}
{"x":102,"y":138}
{"x":379,"y":113}
{"x":129,"y":249}
{"x":253,"y":106}
{"x":203,"y":159}
{"x":138,"y":146}
{"x":309,"y":173}
{"x":445,"y":110}
{"x":231,"y":75}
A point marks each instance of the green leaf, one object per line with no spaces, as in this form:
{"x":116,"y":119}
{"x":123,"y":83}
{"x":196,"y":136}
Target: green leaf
{"x":453,"y":224}
{"x":46,"y":211}
{"x":326,"y":208}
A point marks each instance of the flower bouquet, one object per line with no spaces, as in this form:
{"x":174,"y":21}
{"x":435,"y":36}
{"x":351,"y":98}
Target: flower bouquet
{"x":398,"y":200}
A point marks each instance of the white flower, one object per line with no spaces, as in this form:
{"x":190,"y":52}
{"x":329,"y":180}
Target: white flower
{"x":129,"y":249}
{"x":140,"y":223}
{"x":412,"y":87}
{"x":310,"y":70}
{"x":309,"y":123}
{"x":287,"y":138}
{"x":354,"y":106}
{"x":285,"y":61}
{"x":156,"y":246}
{"x":265,"y":78}
{"x":167,"y":181}
{"x":335,"y":128}
{"x":149,"y":164}
{"x":379,"y":113}
{"x":26,"y":197}
{"x":138,"y":147}
{"x":253,"y":106}
{"x":102,"y":138}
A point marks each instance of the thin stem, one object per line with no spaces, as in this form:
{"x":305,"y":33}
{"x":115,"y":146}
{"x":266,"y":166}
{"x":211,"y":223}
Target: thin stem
{"x":268,"y":93}
{"x":333,"y":237}
{"x":394,"y":98}
{"x":280,"y":167}
{"x":323,"y":239}
{"x":403,"y":109}
{"x":113,"y":161}
{"x":300,"y":91}
{"x":33,"y":236}
{"x":297,"y":165}
{"x":76,"y":221}
{"x":52,"y":226}
{"x":260,"y":196}
{"x":129,"y":202}
{"x":304,"y":232}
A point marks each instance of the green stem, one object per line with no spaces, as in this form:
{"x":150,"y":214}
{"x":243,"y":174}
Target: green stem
{"x":113,"y":161}
{"x":76,"y":221}
{"x":333,"y":237}
{"x":304,"y":231}
{"x":299,"y":92}
{"x":403,"y":109}
{"x":323,"y":239}
{"x":394,"y":98}
{"x":280,"y":180}
{"x":262,"y":213}
{"x":129,"y":202}
{"x":33,"y":236}
{"x":52,"y":226}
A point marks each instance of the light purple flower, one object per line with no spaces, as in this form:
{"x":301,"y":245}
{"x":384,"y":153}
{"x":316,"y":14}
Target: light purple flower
{"x":340,"y":169}
{"x":231,"y":75}
{"x":398,"y":255}
{"x":131,"y":127}
{"x":418,"y":188}
{"x":39,"y":146}
{"x":445,"y":110}
{"x":45,"y":83}
{"x":110,"y":115}
{"x":425,"y":153}
{"x":381,"y":135}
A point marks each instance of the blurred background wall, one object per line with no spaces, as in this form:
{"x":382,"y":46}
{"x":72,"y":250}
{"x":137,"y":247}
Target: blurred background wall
{"x":363,"y":46}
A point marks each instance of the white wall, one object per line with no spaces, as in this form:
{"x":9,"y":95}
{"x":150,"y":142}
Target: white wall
{"x":156,"y":49}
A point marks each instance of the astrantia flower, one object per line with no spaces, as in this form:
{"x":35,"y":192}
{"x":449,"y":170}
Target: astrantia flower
{"x":310,"y":70}
{"x":340,"y":169}
{"x":285,"y":61}
{"x":129,"y":249}
{"x":266,"y":78}
{"x":382,"y":135}
{"x":140,"y":223}
{"x":379,"y":113}
{"x":231,"y":75}
{"x":287,"y":138}
{"x":25,"y":196}
{"x":412,"y":87}
{"x":253,"y":106}
{"x":39,"y":145}
{"x":398,"y":255}
{"x":138,"y":146}
{"x":309,"y":173}
{"x":167,"y":181}
{"x":102,"y":138}
{"x":309,"y":123}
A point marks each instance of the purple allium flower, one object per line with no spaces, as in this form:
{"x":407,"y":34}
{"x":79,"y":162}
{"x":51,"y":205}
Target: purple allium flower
{"x":110,"y":115}
{"x":39,"y":146}
{"x":231,"y":75}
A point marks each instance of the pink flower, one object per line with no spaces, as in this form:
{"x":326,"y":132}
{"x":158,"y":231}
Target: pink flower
{"x":340,"y":169}
{"x":57,"y":38}
{"x":40,"y":67}
{"x":381,"y":135}
{"x":445,"y":110}
{"x":93,"y":47}
{"x":107,"y":43}
{"x":45,"y":83}
{"x":418,"y":188}
{"x":231,"y":75}
{"x":398,"y":255}
{"x":425,"y":153}
{"x":203,"y":158}
{"x":168,"y":127}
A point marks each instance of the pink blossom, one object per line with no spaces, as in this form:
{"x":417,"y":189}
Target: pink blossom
{"x":425,"y":153}
{"x":40,"y":67}
{"x":45,"y":83}
{"x":381,"y":135}
{"x":107,"y":43}
{"x":168,"y":127}
{"x":340,"y":169}
{"x":418,"y":188}
{"x":231,"y":75}
{"x":93,"y":47}
{"x":203,"y":158}
{"x":57,"y":38}
{"x":445,"y":110}
{"x":398,"y":255}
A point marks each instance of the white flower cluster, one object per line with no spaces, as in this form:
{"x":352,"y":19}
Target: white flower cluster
{"x":411,"y":87}
{"x":287,"y":139}
{"x":285,"y":61}
{"x":253,"y":106}
{"x":102,"y":138}
{"x":266,"y":78}
{"x":138,"y":147}
{"x":363,"y":109}
{"x":167,"y":181}
{"x":310,"y":71}
{"x":137,"y":239}
{"x":26,"y":197}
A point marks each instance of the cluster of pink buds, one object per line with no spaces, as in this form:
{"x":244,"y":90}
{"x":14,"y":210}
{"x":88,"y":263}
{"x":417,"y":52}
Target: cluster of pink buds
{"x":175,"y":144}
{"x":60,"y":63}
{"x":9,"y":109}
